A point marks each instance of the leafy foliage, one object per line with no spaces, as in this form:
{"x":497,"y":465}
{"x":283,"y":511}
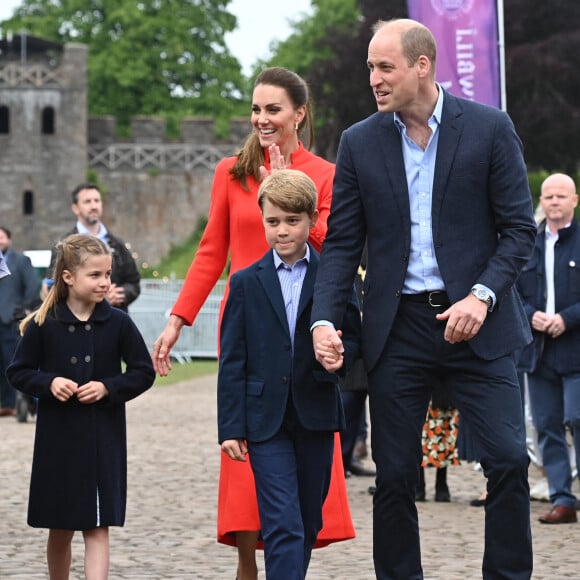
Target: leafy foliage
{"x":188,"y":371}
{"x":341,"y":85}
{"x":542,"y":63}
{"x":146,"y":56}
{"x":177,"y":262}
{"x":169,"y":57}
{"x":542,"y":43}
{"x":330,"y":51}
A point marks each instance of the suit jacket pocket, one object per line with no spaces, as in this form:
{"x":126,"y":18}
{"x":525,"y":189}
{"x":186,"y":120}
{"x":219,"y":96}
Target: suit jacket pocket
{"x":254,"y":388}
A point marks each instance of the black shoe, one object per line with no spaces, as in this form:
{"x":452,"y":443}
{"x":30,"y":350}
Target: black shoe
{"x":357,"y":468}
{"x":442,"y":494}
{"x":478,"y":502}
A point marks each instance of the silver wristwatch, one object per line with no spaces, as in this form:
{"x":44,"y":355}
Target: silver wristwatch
{"x":484,"y":294}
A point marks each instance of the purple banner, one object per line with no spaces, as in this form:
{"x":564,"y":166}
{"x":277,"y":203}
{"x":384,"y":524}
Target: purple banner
{"x":467,"y":45}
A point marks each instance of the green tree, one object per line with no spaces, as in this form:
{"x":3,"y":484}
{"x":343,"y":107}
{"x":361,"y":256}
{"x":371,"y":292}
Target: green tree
{"x":146,"y":56}
{"x":542,"y":41}
{"x":542,"y":82}
{"x":329,"y":50}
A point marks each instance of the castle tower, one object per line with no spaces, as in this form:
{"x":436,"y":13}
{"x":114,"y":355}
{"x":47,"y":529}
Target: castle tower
{"x":43,"y":136}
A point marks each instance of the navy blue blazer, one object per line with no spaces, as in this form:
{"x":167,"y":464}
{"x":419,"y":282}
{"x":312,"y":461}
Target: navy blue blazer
{"x":258,"y":369}
{"x":561,"y":354}
{"x":21,"y":290}
{"x":482,"y":222}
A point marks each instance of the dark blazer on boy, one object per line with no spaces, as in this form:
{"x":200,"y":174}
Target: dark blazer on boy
{"x":258,"y":367}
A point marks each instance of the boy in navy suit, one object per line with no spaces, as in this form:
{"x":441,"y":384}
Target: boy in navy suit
{"x":275,"y":400}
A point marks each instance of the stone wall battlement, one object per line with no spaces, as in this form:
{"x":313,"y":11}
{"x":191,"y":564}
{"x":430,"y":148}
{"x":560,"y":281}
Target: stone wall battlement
{"x":102,"y":130}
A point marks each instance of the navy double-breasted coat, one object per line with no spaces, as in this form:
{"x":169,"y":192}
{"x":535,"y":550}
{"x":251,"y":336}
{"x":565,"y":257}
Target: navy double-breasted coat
{"x":79,"y":469}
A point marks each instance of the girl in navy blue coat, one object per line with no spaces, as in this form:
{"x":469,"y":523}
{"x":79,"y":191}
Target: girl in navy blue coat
{"x":70,"y":358}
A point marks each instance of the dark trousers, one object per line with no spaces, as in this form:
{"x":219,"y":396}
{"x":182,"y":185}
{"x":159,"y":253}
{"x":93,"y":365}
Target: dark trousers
{"x":555,"y":403}
{"x":292,"y":475}
{"x":487,"y":395}
{"x":8,"y":340}
{"x":353,"y":403}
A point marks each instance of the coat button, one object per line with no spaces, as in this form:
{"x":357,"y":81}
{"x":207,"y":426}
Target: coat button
{"x":87,"y":326}
{"x":284,"y":380}
{"x":572,"y":264}
{"x":71,"y":328}
{"x":88,"y":358}
{"x":73,"y":360}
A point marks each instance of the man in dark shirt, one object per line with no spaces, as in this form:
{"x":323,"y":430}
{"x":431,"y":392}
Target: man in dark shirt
{"x":87,"y":205}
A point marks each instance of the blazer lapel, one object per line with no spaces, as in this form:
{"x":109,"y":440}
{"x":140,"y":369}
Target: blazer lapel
{"x":449,"y":133}
{"x":392,"y":155}
{"x":308,"y":283}
{"x":268,"y":279}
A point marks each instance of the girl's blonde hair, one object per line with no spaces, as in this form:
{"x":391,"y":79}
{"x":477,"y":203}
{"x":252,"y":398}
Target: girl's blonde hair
{"x":71,"y":254}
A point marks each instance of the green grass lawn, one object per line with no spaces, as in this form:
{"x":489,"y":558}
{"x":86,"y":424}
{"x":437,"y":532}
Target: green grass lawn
{"x":190,"y":370}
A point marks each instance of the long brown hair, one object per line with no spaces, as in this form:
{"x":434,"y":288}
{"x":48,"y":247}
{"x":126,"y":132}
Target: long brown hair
{"x":71,"y":254}
{"x":251,"y":155}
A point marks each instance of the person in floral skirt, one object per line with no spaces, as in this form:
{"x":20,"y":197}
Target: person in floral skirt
{"x":439,"y":444}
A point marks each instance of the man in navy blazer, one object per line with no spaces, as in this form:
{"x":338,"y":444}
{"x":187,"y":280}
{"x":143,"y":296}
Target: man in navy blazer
{"x":19,"y":293}
{"x":274,"y":399}
{"x":438,"y":187}
{"x":550,"y":289}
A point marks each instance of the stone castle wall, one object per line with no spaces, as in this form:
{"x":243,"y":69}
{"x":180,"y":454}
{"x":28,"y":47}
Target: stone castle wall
{"x":156,"y":189}
{"x":36,"y":166}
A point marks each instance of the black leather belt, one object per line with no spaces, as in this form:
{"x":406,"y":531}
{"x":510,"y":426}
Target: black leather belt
{"x":435,"y":298}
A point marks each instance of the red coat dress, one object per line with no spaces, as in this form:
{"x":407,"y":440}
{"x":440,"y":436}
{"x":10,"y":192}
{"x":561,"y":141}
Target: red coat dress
{"x":235,"y":231}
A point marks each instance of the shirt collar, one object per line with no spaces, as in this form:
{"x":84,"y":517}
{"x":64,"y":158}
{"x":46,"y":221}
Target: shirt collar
{"x":278,"y":262}
{"x":102,"y":233}
{"x":551,"y":234}
{"x":434,"y":119}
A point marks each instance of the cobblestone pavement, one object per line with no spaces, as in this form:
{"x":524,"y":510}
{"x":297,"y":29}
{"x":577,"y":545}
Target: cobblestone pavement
{"x":170,"y":527}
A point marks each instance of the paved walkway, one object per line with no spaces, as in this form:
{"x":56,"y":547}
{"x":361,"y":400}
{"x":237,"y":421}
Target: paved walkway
{"x":170,"y":528}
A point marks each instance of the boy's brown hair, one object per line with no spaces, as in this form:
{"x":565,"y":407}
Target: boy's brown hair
{"x":290,"y":190}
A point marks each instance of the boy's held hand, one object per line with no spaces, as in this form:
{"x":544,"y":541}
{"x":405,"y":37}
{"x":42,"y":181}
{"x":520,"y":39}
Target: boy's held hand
{"x":328,"y":347}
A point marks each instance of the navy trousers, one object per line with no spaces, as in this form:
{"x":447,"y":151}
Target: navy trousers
{"x":8,"y":340}
{"x":353,"y":403}
{"x":487,"y":395}
{"x":555,"y":403}
{"x":292,"y":474}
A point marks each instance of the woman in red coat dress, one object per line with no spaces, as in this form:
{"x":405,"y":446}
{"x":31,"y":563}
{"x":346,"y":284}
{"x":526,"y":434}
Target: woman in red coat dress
{"x":280,"y":115}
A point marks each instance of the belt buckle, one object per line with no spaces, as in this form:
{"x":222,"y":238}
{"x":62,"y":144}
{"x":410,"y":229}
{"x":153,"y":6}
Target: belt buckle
{"x":431,"y":296}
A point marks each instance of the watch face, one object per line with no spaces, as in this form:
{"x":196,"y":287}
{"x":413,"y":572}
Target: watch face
{"x":483,"y":295}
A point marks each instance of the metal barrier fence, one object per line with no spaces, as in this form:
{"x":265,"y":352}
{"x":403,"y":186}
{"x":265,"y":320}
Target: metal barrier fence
{"x":151,"y":310}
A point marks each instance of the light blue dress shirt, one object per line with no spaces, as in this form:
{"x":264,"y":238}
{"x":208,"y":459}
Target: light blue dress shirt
{"x":4,"y":271}
{"x":291,"y":280}
{"x":103,"y":234}
{"x":423,"y":271}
